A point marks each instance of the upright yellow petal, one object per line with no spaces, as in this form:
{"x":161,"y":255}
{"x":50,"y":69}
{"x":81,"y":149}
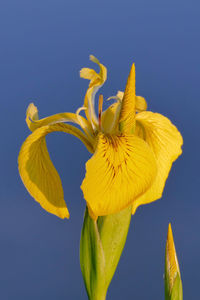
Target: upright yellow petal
{"x":110,"y":118}
{"x":127,"y":115}
{"x":140,"y":102}
{"x":122,"y":168}
{"x":165,"y":140}
{"x":38,"y":172}
{"x":96,"y":81}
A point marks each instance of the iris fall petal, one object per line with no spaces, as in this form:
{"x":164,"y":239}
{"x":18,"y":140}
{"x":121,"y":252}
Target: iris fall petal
{"x":122,"y":168}
{"x":38,"y":172}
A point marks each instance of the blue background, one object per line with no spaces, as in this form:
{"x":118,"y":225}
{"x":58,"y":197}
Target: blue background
{"x":43,"y":45}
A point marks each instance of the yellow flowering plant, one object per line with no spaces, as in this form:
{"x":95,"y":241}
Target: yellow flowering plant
{"x":132,"y":153}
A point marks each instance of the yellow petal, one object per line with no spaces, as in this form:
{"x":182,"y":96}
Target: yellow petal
{"x":33,"y":121}
{"x":140,"y":104}
{"x":87,"y":73}
{"x":38,"y":173}
{"x":165,"y":140}
{"x":122,"y":168}
{"x":32,"y":116}
{"x":96,"y":81}
{"x":127,"y":115}
{"x":120,"y":95}
{"x":110,"y":118}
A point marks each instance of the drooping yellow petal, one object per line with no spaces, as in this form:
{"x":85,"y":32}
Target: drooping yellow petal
{"x":96,"y":81}
{"x":165,"y":140}
{"x":33,"y":121}
{"x":127,"y":115}
{"x":122,"y":168}
{"x":38,"y":173}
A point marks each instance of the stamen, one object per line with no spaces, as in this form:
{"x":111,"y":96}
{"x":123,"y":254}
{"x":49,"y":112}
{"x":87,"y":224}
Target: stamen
{"x":100,"y":109}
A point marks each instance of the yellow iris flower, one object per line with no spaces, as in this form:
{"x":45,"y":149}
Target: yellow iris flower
{"x":133,"y":151}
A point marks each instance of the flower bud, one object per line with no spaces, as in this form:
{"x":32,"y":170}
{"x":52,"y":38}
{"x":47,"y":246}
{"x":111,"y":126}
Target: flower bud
{"x":173,"y":284}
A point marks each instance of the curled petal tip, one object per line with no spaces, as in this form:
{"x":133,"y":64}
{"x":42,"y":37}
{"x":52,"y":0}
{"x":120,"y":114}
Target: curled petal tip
{"x":31,"y":115}
{"x":32,"y":111}
{"x":94,"y":59}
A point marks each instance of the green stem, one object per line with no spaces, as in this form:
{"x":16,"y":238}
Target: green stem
{"x":98,"y":297}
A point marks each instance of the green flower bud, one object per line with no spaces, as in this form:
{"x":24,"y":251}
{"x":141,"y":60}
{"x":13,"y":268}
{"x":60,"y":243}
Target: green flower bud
{"x":101,"y":245}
